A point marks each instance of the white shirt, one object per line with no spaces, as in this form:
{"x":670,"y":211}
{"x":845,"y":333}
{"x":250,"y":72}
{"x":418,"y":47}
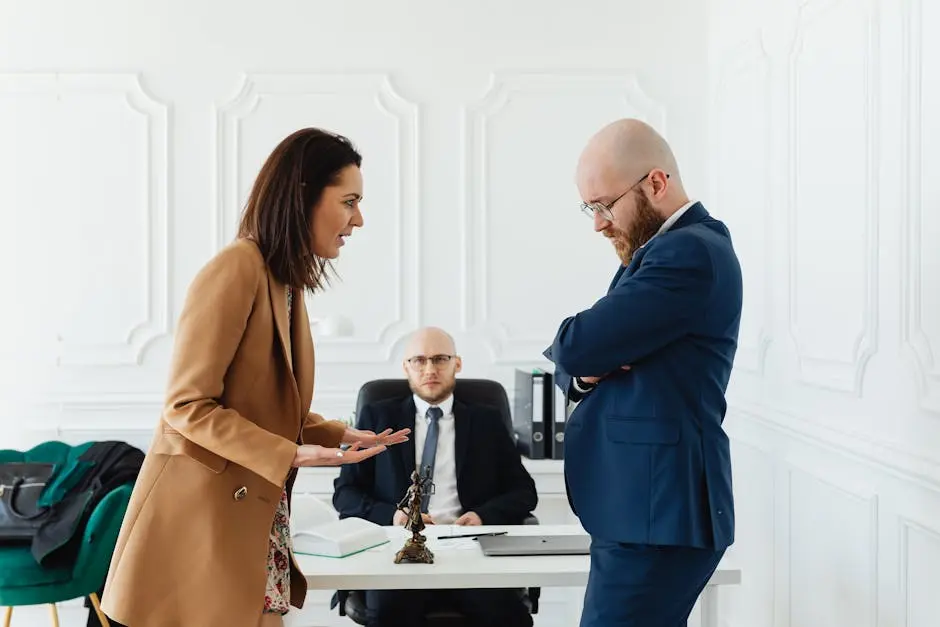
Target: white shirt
{"x":444,"y":506}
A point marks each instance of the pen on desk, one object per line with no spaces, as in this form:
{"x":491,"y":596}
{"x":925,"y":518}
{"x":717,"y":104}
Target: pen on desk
{"x":473,"y":535}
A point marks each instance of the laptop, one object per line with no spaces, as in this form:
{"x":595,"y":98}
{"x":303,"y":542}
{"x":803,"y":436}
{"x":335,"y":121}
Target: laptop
{"x":579,"y":544}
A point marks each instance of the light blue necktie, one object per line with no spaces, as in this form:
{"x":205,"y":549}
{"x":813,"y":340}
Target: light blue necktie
{"x":430,"y":449}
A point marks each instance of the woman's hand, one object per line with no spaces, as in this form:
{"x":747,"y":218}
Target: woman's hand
{"x":370,"y":438}
{"x":314,"y":455}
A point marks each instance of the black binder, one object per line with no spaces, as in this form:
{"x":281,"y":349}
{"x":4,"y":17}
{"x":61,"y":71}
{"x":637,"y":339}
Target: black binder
{"x":533,"y":413}
{"x":559,"y":418}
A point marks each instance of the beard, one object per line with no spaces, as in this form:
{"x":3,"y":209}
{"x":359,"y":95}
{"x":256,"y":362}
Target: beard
{"x":444,"y":391}
{"x":646,"y":223}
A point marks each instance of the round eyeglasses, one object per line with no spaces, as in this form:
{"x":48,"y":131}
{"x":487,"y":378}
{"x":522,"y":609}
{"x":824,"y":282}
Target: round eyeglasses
{"x":605,"y":211}
{"x":418,"y":362}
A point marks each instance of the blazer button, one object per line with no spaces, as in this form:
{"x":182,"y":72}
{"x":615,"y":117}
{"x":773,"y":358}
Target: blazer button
{"x":240,"y":493}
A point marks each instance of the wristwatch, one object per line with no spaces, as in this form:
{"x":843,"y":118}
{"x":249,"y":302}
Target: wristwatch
{"x":583,"y":386}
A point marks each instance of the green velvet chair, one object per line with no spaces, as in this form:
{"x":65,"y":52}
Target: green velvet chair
{"x":24,"y":582}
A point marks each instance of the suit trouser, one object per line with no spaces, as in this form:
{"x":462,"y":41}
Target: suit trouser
{"x":641,"y":585}
{"x":482,"y":607}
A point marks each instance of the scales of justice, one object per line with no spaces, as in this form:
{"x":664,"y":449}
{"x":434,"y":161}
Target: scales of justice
{"x":415,"y":551}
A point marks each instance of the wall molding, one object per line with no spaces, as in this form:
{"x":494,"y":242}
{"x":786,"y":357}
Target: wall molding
{"x":838,"y":373}
{"x":749,"y":56}
{"x":867,"y":499}
{"x":475,"y":211}
{"x":906,"y":526}
{"x":919,"y":470}
{"x":918,"y":347}
{"x":119,"y":402}
{"x":404,"y":114}
{"x":155,"y":118}
{"x":134,"y":416}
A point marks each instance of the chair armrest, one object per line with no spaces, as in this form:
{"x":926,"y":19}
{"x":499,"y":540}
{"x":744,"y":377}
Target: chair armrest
{"x":112,"y":506}
{"x":101,"y":533}
{"x":338,"y":601}
{"x":533,"y":596}
{"x":355,"y":606}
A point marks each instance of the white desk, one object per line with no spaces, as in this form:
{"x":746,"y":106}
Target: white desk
{"x":461,"y":564}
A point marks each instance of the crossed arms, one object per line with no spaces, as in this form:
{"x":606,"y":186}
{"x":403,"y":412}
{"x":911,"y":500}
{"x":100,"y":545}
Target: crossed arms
{"x":643,"y":313}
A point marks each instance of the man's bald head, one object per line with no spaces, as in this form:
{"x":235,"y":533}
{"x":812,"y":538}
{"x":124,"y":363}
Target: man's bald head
{"x":431,"y":364}
{"x":629,"y":178}
{"x":625,"y":151}
{"x":429,"y":341}
{"x":632,"y":148}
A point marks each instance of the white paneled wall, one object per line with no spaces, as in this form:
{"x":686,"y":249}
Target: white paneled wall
{"x":822,"y":138}
{"x":130,"y":133}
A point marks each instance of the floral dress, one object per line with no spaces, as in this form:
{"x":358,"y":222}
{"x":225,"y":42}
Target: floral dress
{"x":277,"y":590}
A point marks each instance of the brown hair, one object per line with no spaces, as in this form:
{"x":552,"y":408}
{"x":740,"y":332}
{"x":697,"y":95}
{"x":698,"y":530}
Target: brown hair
{"x":278,"y":215}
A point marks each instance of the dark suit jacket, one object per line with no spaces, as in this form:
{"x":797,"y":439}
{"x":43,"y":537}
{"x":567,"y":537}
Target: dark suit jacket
{"x":491,"y":480}
{"x":646,"y":458}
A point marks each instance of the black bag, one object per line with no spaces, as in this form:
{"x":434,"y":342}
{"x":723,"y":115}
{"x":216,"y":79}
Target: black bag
{"x":21,"y":484}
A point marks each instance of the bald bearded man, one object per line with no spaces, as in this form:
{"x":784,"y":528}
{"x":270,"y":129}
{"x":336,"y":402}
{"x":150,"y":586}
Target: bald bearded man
{"x":647,"y":461}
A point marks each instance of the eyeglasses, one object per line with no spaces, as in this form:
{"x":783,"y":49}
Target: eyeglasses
{"x":418,"y":362}
{"x":591,"y":208}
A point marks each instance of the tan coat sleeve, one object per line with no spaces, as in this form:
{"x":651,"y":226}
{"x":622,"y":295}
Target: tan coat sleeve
{"x":318,"y":430}
{"x":211,"y":327}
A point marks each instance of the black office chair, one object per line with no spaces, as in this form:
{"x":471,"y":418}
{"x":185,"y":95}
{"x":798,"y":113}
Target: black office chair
{"x":475,"y":391}
{"x":352,"y":603}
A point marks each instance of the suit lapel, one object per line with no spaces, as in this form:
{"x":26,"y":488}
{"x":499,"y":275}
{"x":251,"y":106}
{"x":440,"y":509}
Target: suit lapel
{"x":462,"y":426}
{"x":694,"y":214}
{"x":303,"y":358}
{"x":406,"y":450}
{"x":635,"y":261}
{"x":278,"y":295}
{"x":617,"y":276}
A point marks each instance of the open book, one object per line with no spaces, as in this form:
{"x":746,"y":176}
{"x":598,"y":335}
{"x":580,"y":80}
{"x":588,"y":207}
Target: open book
{"x":339,"y":538}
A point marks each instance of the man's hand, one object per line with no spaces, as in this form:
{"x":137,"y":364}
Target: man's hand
{"x":370,"y":438}
{"x":595,"y":380}
{"x":470,"y":519}
{"x":314,"y":455}
{"x":400,"y":518}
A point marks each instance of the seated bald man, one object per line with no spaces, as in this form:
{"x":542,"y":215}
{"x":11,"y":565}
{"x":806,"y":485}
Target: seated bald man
{"x":647,"y":462}
{"x":491,"y":488}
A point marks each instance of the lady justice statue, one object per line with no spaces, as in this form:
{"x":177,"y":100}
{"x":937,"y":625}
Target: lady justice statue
{"x":415,"y":551}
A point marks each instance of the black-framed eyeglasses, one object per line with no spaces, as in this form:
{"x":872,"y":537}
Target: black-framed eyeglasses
{"x":591,"y":208}
{"x":438,"y":361}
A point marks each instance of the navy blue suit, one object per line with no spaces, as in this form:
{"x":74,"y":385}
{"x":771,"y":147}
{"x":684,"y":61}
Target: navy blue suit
{"x":491,"y":481}
{"x":647,"y":462}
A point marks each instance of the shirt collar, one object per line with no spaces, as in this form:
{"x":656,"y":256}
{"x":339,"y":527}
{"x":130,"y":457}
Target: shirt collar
{"x":671,"y":220}
{"x":447,"y":405}
{"x":675,"y":217}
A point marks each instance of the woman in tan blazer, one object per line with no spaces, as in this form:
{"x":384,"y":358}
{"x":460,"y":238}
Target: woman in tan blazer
{"x":205,"y":541}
